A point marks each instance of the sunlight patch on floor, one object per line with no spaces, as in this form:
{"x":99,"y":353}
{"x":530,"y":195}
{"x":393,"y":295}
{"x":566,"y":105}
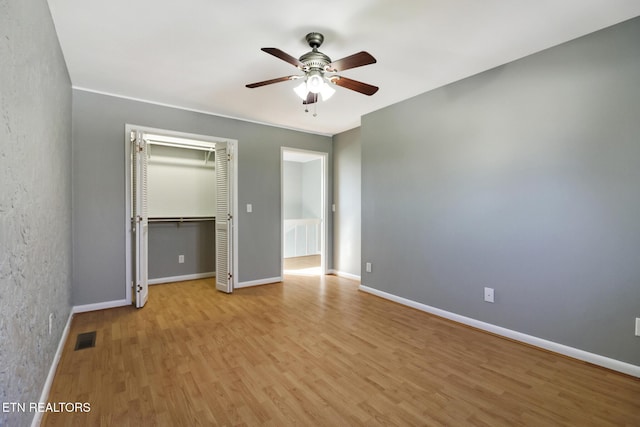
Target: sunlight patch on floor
{"x":303,"y":266}
{"x":311,"y":271}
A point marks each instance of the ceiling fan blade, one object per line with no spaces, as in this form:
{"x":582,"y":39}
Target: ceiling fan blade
{"x":356,"y":60}
{"x":268,"y":82}
{"x":284,"y":56}
{"x":311,"y":98}
{"x":364,"y":88}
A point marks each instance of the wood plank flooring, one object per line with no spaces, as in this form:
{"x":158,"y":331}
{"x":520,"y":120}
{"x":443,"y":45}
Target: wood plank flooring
{"x":314,"y":351}
{"x":303,"y":264}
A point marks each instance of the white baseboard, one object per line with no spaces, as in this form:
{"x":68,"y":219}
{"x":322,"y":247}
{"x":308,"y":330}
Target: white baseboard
{"x":345,"y":275}
{"x":99,"y":306}
{"x":596,"y":359}
{"x":44,"y":397}
{"x":258,"y":282}
{"x":194,"y":276}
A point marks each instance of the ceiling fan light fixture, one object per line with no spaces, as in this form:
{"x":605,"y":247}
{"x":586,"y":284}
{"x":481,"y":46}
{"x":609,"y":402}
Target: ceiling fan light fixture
{"x":327,"y":91}
{"x":301,"y":90}
{"x":315,"y":81}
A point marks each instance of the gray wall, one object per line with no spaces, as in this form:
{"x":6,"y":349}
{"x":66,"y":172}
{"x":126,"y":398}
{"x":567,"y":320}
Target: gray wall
{"x":312,"y":189}
{"x":525,"y":178}
{"x":168,"y":240}
{"x":35,"y":201}
{"x":302,"y":186}
{"x":347,"y":195}
{"x":99,"y":187}
{"x":292,"y":189}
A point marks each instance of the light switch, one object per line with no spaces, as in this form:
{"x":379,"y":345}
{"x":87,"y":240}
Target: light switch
{"x":488,"y":294}
{"x":249,"y":208}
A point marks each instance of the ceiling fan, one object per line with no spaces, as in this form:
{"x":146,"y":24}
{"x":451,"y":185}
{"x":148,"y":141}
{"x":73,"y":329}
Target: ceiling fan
{"x":319,"y":71}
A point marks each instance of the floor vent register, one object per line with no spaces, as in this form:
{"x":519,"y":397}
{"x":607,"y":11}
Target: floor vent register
{"x":86,"y":340}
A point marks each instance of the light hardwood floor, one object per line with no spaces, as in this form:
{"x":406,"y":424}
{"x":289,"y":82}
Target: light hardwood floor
{"x":315,"y":351}
{"x":309,"y":263}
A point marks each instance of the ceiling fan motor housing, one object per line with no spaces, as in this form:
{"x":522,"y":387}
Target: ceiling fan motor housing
{"x":314,"y":39}
{"x":315,"y":59}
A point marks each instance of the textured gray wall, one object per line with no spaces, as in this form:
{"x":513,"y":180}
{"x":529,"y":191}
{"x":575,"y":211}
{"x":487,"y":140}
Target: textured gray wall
{"x":99,"y":187}
{"x":525,"y":178}
{"x":347,"y":195}
{"x":35,"y":201}
{"x":168,"y":240}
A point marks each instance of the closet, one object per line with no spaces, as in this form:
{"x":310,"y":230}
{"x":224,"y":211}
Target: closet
{"x":181,"y":200}
{"x":182,"y":206}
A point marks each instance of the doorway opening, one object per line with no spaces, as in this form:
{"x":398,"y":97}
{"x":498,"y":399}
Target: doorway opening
{"x":304,"y":211}
{"x":180,"y":200}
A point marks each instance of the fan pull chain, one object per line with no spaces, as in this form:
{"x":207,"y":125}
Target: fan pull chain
{"x":315,"y":108}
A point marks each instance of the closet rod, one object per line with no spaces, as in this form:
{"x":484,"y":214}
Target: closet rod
{"x":183,"y":219}
{"x":188,"y":146}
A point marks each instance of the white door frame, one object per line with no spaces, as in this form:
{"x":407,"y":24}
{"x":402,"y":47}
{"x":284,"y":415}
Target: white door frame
{"x":127,"y":224}
{"x":324,"y":229}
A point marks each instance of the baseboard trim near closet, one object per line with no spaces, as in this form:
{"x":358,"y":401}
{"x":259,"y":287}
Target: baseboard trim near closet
{"x":46,"y":389}
{"x":565,"y":350}
{"x":258,"y":282}
{"x":182,"y":278}
{"x":99,"y":306}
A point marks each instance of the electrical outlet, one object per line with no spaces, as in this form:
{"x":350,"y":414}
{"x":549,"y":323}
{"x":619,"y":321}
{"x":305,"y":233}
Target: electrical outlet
{"x":249,"y":208}
{"x":50,"y":323}
{"x":367,"y":267}
{"x":180,"y":259}
{"x":488,"y":294}
{"x":638,"y":326}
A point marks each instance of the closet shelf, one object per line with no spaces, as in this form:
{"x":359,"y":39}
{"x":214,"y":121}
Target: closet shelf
{"x":182,"y":219}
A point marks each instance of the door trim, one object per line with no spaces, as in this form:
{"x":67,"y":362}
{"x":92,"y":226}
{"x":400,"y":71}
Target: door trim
{"x":324,"y":230}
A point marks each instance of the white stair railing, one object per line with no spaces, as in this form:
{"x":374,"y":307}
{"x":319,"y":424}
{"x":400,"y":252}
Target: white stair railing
{"x":301,"y":237}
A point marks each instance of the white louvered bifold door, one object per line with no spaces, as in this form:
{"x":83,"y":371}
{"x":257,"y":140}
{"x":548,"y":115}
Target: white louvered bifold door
{"x":224,"y":220}
{"x":141,"y":219}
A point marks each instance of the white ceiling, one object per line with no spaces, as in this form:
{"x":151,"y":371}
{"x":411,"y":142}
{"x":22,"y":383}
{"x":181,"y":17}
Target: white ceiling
{"x":199,"y":54}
